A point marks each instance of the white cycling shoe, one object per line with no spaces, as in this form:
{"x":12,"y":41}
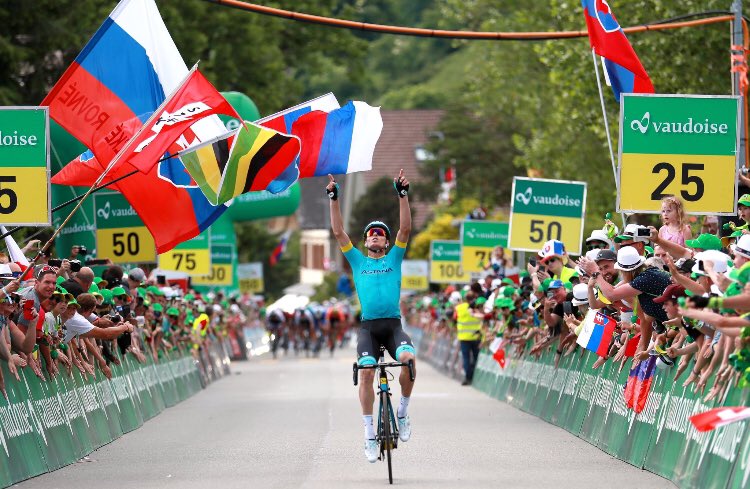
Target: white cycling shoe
{"x":404,"y":428}
{"x":371,"y":450}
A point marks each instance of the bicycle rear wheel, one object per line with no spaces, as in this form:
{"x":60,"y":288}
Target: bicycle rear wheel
{"x":386,"y":417}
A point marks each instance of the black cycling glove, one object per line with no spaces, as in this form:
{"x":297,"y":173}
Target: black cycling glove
{"x":401,"y":190}
{"x":333,"y":194}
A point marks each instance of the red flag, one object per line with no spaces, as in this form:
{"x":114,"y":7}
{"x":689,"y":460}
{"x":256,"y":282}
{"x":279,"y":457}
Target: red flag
{"x":720,"y":416}
{"x":632,"y":345}
{"x":499,"y":356}
{"x":196,"y":99}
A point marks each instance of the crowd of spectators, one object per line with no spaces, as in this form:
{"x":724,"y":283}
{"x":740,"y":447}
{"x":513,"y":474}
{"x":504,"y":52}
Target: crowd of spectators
{"x":59,"y":316}
{"x":679,"y":293}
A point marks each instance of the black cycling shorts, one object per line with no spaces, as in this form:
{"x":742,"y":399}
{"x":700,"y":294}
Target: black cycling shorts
{"x":387,"y":333}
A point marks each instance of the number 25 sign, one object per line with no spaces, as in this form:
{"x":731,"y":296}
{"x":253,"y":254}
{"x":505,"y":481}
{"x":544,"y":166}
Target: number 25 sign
{"x":681,"y":145}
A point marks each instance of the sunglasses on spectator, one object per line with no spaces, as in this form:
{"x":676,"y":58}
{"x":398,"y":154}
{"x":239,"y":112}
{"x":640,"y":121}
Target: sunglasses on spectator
{"x":375,"y":232}
{"x":552,"y":260}
{"x":595,"y":246}
{"x":11,"y":299}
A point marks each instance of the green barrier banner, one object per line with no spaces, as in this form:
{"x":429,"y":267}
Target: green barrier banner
{"x":45,"y":425}
{"x":18,"y":434}
{"x":590,"y":403}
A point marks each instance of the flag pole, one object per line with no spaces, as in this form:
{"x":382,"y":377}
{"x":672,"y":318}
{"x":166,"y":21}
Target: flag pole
{"x":109,"y":167}
{"x":606,"y":130}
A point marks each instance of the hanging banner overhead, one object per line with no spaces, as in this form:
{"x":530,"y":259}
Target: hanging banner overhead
{"x":121,"y":236}
{"x":24,"y":160}
{"x":681,"y":145}
{"x":542,"y":210}
{"x":478,"y":239}
{"x":445,"y":263}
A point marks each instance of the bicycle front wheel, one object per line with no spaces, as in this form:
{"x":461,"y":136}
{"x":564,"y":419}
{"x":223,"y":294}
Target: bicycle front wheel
{"x":387,"y":441}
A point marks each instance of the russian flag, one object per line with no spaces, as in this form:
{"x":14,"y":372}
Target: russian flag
{"x":639,"y":384}
{"x":120,"y":77}
{"x":596,"y":333}
{"x":622,"y":66}
{"x":338,"y":142}
{"x":280,"y":248}
{"x":283,"y":122}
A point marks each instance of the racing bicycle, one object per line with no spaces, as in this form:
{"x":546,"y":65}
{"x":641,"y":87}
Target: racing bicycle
{"x":387,"y":432}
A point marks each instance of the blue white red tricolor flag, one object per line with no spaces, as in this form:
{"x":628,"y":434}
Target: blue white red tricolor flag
{"x":283,"y":122}
{"x":338,"y":142}
{"x":720,"y":416}
{"x":120,"y":77}
{"x":639,"y":384}
{"x":624,"y":70}
{"x":280,"y":249}
{"x":335,"y":140}
{"x":596,"y":333}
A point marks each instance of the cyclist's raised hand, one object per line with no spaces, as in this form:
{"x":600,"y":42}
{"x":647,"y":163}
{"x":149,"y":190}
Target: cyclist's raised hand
{"x":332,"y":189}
{"x":401,"y":184}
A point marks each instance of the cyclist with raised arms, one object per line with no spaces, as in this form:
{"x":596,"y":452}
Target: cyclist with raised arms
{"x":377,"y":277}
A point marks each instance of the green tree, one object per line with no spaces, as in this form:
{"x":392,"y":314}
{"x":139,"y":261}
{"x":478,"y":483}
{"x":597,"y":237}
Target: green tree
{"x":378,"y":203}
{"x":255,"y":243}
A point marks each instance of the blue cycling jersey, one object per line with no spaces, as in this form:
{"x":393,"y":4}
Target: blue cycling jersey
{"x":378,"y":281}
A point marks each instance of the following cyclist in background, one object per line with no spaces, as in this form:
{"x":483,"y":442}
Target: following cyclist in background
{"x":377,"y":278}
{"x":275,"y":320}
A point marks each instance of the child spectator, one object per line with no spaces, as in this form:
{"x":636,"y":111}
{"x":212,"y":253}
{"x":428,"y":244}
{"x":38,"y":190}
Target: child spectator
{"x":675,"y":227}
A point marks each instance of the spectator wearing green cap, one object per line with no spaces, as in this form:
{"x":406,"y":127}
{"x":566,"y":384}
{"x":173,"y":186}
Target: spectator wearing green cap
{"x":743,"y":212}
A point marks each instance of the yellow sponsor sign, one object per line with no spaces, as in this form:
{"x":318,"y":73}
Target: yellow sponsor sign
{"x":414,"y":275}
{"x":530,"y":231}
{"x":473,"y":258}
{"x":447,"y":272}
{"x":126,"y":245}
{"x":705,"y":183}
{"x":24,"y":196}
{"x":192,"y":262}
{"x":251,"y":285}
{"x":221,"y":274}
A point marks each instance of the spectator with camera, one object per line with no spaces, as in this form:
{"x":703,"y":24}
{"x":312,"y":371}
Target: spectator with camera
{"x":81,"y":280}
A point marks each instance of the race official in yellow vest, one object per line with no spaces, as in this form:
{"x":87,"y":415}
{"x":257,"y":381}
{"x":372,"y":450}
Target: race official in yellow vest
{"x":469,"y":334}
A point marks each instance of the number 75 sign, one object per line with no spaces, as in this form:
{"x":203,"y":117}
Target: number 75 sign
{"x":681,"y":145}
{"x":546,"y":209}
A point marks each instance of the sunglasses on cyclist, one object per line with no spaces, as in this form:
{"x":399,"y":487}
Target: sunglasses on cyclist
{"x":376,"y":232}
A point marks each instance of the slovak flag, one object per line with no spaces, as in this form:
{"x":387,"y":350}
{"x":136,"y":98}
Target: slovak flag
{"x":623,"y":68}
{"x":720,"y":416}
{"x":278,"y":252}
{"x":597,"y":332}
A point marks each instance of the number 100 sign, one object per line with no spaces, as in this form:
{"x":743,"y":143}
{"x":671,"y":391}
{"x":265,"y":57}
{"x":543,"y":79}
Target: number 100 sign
{"x":681,"y":145}
{"x":546,"y":209}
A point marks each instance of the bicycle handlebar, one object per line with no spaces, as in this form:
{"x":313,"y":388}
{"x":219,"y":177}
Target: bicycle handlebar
{"x":410,"y":365}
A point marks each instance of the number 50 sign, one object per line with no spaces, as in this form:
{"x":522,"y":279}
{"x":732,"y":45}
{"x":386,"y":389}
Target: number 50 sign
{"x":546,"y":209}
{"x":681,"y":145}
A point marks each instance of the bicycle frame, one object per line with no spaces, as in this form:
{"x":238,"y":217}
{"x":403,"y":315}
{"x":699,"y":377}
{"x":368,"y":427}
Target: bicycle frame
{"x":387,"y":433}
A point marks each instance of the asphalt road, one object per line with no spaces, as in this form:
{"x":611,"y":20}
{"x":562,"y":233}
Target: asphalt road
{"x":295,"y":423}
